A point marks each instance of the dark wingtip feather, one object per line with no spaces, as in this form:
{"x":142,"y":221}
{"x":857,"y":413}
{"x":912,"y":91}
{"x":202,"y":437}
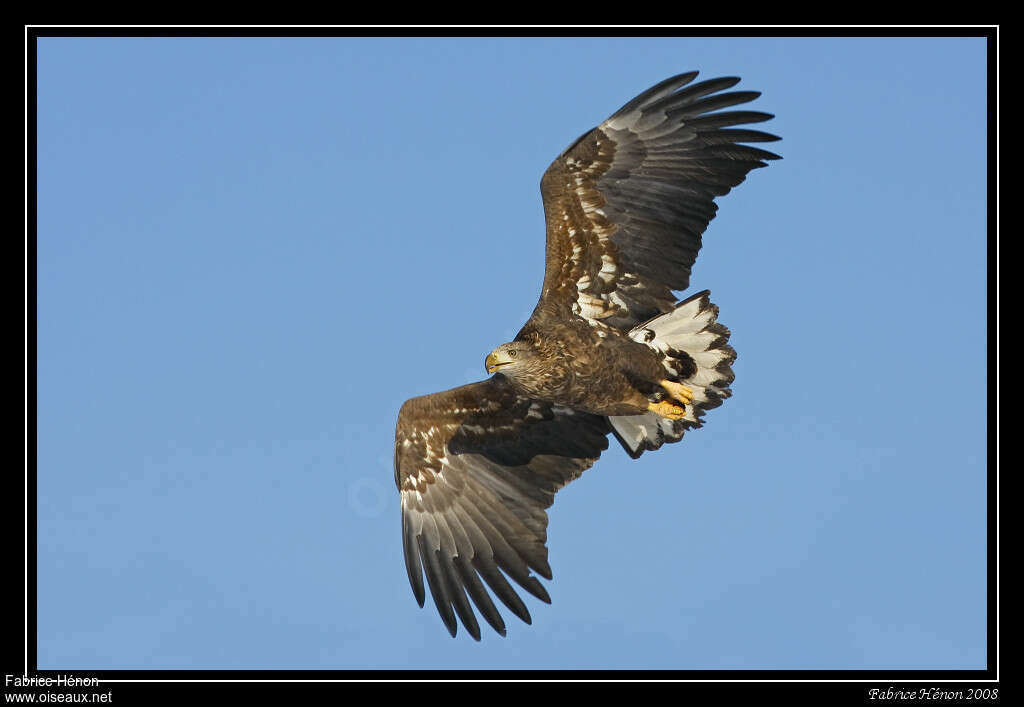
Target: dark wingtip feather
{"x":761,"y":154}
{"x":713,"y":103}
{"x":458,"y":598}
{"x":657,"y":91}
{"x":412,"y":562}
{"x":438,"y":587}
{"x":712,"y":121}
{"x":502,"y":589}
{"x":476,"y":591}
{"x":536,"y":589}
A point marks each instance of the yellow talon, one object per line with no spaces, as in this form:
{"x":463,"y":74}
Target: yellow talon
{"x":667,"y":409}
{"x":677,"y":391}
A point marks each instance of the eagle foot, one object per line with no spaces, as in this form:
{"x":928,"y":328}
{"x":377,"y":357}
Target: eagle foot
{"x":667,"y":409}
{"x":678,"y":391}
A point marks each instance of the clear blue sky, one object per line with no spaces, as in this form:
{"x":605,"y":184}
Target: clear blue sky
{"x":252,"y":251}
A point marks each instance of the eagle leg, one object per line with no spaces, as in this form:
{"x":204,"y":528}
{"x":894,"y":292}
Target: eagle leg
{"x":679,"y":392}
{"x":667,"y":409}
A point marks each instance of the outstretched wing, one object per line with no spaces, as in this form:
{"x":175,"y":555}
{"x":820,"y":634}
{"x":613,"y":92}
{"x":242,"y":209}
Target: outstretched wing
{"x":476,"y":468}
{"x":627,"y":203}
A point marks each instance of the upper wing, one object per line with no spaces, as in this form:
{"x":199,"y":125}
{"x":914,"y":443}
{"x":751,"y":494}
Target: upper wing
{"x":476,"y":466}
{"x":626,"y":204}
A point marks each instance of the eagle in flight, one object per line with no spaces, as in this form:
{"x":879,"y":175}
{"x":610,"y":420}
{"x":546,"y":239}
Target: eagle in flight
{"x":608,"y":349}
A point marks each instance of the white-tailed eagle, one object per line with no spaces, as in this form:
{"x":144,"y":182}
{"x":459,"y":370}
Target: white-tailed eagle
{"x":608,"y":349}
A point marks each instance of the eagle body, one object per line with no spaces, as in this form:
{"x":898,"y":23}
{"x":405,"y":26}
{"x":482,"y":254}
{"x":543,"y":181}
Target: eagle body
{"x":593,"y":369}
{"x":608,"y":350}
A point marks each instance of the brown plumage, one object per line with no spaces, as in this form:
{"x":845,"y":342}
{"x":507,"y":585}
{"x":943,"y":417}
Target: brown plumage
{"x":607,"y":349}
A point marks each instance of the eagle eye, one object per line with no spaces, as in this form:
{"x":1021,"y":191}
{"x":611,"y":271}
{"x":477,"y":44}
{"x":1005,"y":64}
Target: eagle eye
{"x":512,"y":353}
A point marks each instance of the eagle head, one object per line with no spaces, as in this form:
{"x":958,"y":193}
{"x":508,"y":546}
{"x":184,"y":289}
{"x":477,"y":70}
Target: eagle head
{"x":512,"y":359}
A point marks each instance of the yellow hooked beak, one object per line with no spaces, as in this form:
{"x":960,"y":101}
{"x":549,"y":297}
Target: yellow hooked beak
{"x":495,"y":360}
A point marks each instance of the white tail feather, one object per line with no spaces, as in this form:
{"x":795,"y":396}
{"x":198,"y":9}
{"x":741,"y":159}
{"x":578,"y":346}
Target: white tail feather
{"x":695,"y":353}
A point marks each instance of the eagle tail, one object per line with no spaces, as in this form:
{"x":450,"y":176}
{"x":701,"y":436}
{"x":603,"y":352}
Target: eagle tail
{"x":696,"y":353}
